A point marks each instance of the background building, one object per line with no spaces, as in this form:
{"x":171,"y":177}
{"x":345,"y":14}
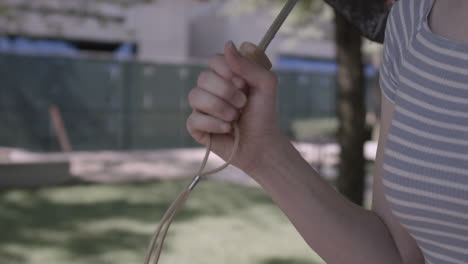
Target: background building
{"x":122,"y":73}
{"x":164,"y":30}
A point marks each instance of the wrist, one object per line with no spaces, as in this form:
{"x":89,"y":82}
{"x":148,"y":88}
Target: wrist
{"x":272,"y":155}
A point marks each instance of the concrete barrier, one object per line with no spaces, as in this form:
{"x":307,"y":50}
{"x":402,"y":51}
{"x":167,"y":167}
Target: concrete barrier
{"x":34,"y":173}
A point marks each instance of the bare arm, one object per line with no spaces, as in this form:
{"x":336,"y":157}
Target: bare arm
{"x":338,"y":230}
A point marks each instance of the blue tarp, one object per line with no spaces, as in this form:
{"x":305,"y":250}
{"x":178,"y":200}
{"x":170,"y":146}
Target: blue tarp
{"x":27,"y":46}
{"x":315,"y":66}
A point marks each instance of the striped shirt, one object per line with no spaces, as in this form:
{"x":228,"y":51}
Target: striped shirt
{"x":425,"y":169}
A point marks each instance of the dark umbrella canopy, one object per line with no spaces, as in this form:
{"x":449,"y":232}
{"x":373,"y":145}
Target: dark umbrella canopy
{"x":369,"y":16}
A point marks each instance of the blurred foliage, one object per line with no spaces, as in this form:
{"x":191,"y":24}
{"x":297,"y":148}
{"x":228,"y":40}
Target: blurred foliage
{"x":310,"y":19}
{"x":303,"y":9}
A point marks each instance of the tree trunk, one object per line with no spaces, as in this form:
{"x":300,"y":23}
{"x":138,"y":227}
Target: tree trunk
{"x":351,"y":110}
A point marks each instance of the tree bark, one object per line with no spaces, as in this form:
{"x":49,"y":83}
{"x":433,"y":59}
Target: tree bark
{"x":351,"y":110}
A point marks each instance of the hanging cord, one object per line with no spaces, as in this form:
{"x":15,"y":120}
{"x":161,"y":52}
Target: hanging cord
{"x":182,"y":198}
{"x":254,"y":54}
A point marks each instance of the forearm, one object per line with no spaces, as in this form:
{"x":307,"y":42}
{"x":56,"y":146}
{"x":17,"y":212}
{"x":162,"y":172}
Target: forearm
{"x":339,"y":231}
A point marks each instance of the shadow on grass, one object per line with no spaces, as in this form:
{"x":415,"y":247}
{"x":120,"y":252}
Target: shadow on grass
{"x":54,"y":217}
{"x":288,"y":261}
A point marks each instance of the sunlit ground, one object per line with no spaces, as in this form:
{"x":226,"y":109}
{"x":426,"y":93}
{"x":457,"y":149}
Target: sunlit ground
{"x":309,"y":128}
{"x":222,"y":223}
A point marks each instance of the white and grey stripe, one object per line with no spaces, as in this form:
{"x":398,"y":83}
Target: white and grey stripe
{"x":426,"y":158}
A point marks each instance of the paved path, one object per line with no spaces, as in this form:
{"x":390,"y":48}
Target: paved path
{"x":112,"y":166}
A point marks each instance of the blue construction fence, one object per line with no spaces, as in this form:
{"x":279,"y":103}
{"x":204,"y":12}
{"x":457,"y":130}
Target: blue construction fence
{"x":126,"y":105}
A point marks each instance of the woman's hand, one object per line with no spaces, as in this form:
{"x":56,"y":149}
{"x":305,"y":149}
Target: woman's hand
{"x":236,"y":89}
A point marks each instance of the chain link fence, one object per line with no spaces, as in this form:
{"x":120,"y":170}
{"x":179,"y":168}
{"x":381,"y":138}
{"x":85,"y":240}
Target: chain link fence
{"x":124,"y":105}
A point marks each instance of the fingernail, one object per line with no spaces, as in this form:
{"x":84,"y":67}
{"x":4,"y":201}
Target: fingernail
{"x":238,"y":82}
{"x":240,"y":99}
{"x":232,"y":46}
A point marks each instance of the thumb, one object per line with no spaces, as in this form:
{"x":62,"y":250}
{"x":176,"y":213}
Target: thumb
{"x":256,"y":76}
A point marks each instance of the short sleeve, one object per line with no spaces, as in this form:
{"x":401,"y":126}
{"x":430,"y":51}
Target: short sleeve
{"x":390,"y":57}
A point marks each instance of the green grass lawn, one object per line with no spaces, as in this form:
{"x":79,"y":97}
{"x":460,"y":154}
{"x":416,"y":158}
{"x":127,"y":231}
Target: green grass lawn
{"x":222,"y":223}
{"x":309,"y":128}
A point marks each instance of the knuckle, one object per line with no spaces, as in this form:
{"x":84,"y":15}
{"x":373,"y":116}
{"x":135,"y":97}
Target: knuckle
{"x":192,"y":97}
{"x":238,"y":68}
{"x":226,"y":92}
{"x":238,"y":65}
{"x":229,"y":114}
{"x":221,"y":111}
{"x":214,"y":60}
{"x":189,"y":124}
{"x":216,"y":107}
{"x":202,"y":78}
{"x":222,"y":127}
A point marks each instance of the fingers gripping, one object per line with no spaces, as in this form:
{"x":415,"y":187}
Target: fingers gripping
{"x":210,"y":104}
{"x":253,"y":73}
{"x":222,"y":88}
